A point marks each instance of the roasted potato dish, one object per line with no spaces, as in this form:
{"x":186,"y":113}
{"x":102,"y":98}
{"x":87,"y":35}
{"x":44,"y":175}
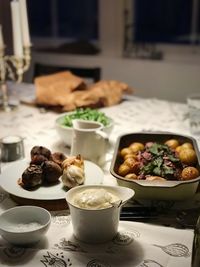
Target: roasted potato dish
{"x":152,"y":161}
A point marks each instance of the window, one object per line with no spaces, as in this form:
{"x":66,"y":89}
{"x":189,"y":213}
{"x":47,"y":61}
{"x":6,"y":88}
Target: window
{"x":64,"y":19}
{"x":162,"y":21}
{"x":151,"y":24}
{"x":39,"y":14}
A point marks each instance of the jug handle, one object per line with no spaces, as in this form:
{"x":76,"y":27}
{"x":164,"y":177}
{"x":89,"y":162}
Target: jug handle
{"x":110,"y":143}
{"x":102,"y":134}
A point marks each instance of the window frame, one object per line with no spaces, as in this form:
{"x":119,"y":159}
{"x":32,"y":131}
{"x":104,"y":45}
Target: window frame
{"x":111,"y":41}
{"x":54,"y":40}
{"x":175,"y":52}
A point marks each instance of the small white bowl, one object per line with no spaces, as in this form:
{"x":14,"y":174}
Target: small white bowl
{"x":24,"y":225}
{"x":97,"y":225}
{"x":65,"y":132}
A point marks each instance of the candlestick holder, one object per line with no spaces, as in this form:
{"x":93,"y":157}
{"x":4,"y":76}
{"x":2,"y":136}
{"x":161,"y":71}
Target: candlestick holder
{"x":12,"y":67}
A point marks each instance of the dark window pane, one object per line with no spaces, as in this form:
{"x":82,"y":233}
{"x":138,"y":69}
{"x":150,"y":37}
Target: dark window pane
{"x":78,"y":19}
{"x":162,"y":21}
{"x":39,"y":13}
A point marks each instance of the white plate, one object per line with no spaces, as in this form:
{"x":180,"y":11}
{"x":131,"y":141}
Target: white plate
{"x":11,"y":174}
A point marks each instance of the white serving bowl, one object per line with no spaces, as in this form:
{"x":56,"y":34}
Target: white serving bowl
{"x":24,"y":225}
{"x":65,"y":132}
{"x":97,"y":225}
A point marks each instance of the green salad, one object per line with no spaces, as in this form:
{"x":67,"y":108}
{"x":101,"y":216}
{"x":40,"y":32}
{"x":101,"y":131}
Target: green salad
{"x":86,"y":114}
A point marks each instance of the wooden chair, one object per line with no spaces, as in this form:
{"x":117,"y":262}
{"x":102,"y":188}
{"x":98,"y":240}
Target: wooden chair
{"x":93,"y":74}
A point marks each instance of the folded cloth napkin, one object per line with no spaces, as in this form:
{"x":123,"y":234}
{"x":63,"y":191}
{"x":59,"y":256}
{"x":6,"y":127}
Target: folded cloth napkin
{"x":69,"y":91}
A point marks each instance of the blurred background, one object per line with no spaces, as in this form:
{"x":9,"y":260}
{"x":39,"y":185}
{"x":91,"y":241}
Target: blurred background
{"x":154,"y":46}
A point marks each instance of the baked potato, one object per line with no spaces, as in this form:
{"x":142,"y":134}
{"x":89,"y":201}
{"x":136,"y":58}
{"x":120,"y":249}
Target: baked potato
{"x":172,"y":143}
{"x":188,"y":156}
{"x":189,"y":173}
{"x":136,"y":146}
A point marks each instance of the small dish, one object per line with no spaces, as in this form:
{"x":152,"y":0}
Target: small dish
{"x":24,"y":225}
{"x":65,"y":132}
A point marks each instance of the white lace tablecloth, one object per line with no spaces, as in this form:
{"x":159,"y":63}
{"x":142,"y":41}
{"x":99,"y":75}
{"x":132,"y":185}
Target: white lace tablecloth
{"x":137,"y":244}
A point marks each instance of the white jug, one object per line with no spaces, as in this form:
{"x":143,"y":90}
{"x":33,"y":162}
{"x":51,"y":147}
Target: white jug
{"x":89,"y":141}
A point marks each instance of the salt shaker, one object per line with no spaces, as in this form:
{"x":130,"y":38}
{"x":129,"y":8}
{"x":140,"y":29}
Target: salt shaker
{"x":12,"y":148}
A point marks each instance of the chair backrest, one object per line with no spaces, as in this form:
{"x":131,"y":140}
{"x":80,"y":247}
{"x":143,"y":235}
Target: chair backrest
{"x":93,"y":74}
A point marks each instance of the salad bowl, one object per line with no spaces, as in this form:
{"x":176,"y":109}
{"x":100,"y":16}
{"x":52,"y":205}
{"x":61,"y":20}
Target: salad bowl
{"x":64,"y":125}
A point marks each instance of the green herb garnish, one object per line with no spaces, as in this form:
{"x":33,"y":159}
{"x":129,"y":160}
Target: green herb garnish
{"x":86,"y":114}
{"x":163,"y":161}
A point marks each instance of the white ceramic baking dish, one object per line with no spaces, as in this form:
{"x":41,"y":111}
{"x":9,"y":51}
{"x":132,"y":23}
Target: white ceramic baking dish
{"x":159,"y":190}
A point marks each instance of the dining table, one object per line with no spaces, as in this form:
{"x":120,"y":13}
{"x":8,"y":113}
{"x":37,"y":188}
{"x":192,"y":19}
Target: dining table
{"x":142,"y":241}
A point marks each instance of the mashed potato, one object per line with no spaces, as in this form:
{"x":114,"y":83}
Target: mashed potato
{"x":94,"y":199}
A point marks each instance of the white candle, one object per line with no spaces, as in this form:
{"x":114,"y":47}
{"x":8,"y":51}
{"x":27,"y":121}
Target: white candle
{"x":16,"y":27}
{"x":24,"y":23}
{"x":1,"y":38}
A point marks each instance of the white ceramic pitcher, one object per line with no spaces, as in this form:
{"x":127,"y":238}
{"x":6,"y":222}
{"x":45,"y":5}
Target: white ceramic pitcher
{"x":89,"y":140}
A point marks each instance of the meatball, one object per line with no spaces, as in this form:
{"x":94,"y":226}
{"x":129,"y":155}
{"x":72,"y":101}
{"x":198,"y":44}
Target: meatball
{"x":38,"y":159}
{"x":32,"y":176}
{"x":52,"y":171}
{"x":58,"y":157}
{"x":40,"y":150}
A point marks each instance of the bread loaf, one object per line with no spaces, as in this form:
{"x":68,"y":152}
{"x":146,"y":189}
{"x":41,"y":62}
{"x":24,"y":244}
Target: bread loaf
{"x":69,"y":92}
{"x":54,"y":89}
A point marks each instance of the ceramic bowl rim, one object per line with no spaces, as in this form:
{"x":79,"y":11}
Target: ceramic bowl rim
{"x":10,"y":210}
{"x":94,"y":186}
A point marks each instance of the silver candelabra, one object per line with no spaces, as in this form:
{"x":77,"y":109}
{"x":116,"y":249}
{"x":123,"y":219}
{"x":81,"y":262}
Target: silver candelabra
{"x":12,"y":67}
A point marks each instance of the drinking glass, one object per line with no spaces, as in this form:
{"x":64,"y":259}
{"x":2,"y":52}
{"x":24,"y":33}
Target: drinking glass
{"x":193,"y":102}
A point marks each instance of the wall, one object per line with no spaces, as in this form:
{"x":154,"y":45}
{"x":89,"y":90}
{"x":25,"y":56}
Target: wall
{"x":161,"y":79}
